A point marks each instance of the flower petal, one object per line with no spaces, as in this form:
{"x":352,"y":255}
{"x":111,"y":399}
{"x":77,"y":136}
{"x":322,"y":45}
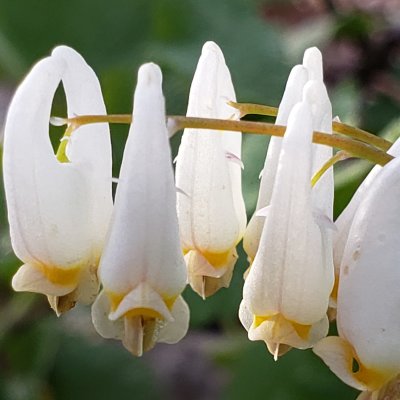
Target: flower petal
{"x":291,"y":247}
{"x":212,"y":218}
{"x":54,"y":221}
{"x":173,"y":332}
{"x":292,"y":95}
{"x":143,"y":243}
{"x":338,"y":354}
{"x":345,"y":219}
{"x":368,"y":297}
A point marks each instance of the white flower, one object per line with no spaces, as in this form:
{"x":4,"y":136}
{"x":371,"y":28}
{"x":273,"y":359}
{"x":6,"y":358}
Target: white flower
{"x":211,"y":209}
{"x":366,"y":355}
{"x":311,"y":69}
{"x":286,"y":293}
{"x":58,"y":212}
{"x":142,"y":268}
{"x":345,"y":219}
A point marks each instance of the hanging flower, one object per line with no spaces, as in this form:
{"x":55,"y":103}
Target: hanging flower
{"x":311,"y":69}
{"x":286,"y":293}
{"x":366,"y":355}
{"x":345,"y":219}
{"x":211,"y":209}
{"x":58,"y":211}
{"x":142,"y":268}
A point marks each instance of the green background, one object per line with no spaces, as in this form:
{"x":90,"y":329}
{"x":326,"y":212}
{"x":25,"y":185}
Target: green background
{"x":42,"y":357}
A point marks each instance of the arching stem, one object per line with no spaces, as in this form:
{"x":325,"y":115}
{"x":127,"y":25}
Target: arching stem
{"x":339,"y":156}
{"x":338,"y":127}
{"x":176,"y":123}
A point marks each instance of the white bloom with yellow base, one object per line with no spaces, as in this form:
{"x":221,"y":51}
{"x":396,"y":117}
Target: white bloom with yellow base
{"x":311,"y":69}
{"x":368,"y":297}
{"x":286,"y":293}
{"x":58,"y":211}
{"x":211,"y":209}
{"x":142,"y":268}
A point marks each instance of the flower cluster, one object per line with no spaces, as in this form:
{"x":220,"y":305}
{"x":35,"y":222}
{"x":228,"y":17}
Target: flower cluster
{"x":142,"y":247}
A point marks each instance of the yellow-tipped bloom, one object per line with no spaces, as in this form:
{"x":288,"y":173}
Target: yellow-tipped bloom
{"x":211,"y":209}
{"x":310,"y":70}
{"x":58,"y":212}
{"x":286,"y":293}
{"x":366,"y":355}
{"x":142,"y":268}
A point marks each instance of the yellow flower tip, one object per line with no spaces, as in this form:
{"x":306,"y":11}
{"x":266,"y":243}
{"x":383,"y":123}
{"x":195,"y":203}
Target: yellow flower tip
{"x":49,"y":280}
{"x":116,"y":299}
{"x":140,"y":318}
{"x":62,"y":286}
{"x":340,"y":356}
{"x":144,"y":313}
{"x":281,"y":334}
{"x":281,"y":324}
{"x":209,"y":272}
{"x":335,"y":289}
{"x":218,"y":260}
{"x":61,"y":276}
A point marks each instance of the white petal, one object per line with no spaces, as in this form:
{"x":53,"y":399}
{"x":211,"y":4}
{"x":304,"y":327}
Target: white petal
{"x":263,"y":212}
{"x":369,"y":298}
{"x":323,"y":221}
{"x":142,"y":296}
{"x":312,"y":60}
{"x":316,"y":95}
{"x":338,"y":355}
{"x":292,"y":95}
{"x":143,"y":243}
{"x":173,"y":332}
{"x":84,"y":97}
{"x":345,"y":219}
{"x":245,"y":315}
{"x":103,"y":325}
{"x":291,"y":247}
{"x":30,"y":279}
{"x":213,"y":218}
{"x":51,"y":206}
{"x":277,"y":331}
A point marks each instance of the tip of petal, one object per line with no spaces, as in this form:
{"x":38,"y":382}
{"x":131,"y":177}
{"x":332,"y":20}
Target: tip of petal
{"x":65,"y":52}
{"x":150,"y":74}
{"x":312,"y":60}
{"x":211,"y":46}
{"x":315,"y":93}
{"x":31,"y":279}
{"x":297,"y":75}
{"x":300,"y":120}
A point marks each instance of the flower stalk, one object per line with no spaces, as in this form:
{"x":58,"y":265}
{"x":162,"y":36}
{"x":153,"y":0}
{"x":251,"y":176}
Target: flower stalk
{"x":353,"y":146}
{"x":338,"y":127}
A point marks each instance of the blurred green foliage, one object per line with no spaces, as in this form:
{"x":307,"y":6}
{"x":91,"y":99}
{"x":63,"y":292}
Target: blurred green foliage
{"x":42,"y":358}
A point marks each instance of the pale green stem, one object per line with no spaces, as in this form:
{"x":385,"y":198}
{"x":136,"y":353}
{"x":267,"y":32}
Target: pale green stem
{"x":176,"y":123}
{"x":338,"y":127}
{"x":339,"y":156}
{"x":61,"y":154}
